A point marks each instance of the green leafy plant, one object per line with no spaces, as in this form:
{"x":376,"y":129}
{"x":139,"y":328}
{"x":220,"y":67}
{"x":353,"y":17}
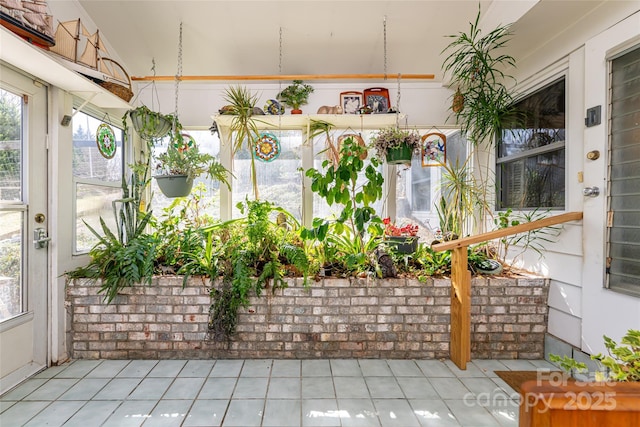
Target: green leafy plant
{"x":190,"y":162}
{"x":250,"y":254}
{"x":394,"y":137}
{"x":622,"y":361}
{"x":125,"y":257}
{"x":150,"y":125}
{"x":296,"y":94}
{"x":356,"y":231}
{"x":477,"y":67}
{"x":243,"y":126}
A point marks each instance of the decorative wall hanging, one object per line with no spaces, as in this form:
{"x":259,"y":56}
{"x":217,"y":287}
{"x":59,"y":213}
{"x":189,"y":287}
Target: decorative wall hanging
{"x":434,"y":149}
{"x":351,"y":102}
{"x":187,"y":142}
{"x":267,"y":147}
{"x":106,"y":141}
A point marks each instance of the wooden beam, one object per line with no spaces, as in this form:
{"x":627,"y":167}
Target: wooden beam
{"x":276,"y":77}
{"x":496,"y":234}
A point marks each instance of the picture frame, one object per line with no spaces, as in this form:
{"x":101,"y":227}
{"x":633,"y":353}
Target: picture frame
{"x":351,"y":101}
{"x":377,"y":100}
{"x":434,"y":149}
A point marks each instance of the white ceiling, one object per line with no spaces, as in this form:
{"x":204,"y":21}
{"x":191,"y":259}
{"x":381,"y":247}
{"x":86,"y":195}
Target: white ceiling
{"x":318,"y":37}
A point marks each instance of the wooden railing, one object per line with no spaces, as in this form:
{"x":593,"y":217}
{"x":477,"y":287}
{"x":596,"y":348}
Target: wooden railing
{"x":460,"y":342}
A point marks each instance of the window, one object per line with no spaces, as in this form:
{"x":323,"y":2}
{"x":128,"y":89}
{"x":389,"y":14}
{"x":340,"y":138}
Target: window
{"x":279,"y":181}
{"x":623,"y":261}
{"x":531,"y":152}
{"x":208,"y":190}
{"x":97,"y":180}
{"x":12,"y":206}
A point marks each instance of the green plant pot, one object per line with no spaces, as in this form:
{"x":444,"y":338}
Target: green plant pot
{"x":174,"y":185}
{"x":403,"y":244}
{"x":399,"y":155}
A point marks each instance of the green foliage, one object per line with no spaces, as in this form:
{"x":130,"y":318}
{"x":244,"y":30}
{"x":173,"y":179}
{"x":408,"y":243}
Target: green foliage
{"x":243,"y":125}
{"x":354,"y":234}
{"x":192,"y":163}
{"x":251,"y":253}
{"x":394,"y":137}
{"x":477,"y":69}
{"x":622,"y":362}
{"x":535,"y":240}
{"x":296,"y":94}
{"x":462,"y":196}
{"x":125,"y":257}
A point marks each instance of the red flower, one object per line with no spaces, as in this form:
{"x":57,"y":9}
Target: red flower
{"x":391,"y":229}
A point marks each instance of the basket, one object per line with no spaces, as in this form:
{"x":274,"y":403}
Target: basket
{"x":113,"y":68}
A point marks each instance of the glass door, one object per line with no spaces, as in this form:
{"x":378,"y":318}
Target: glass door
{"x":23,"y":228}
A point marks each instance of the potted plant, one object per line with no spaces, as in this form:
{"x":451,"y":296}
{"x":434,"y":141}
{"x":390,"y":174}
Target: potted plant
{"x":295,"y":95}
{"x":396,"y":145}
{"x":150,"y":125}
{"x":243,"y":126}
{"x":177,"y":167}
{"x":403,"y":239}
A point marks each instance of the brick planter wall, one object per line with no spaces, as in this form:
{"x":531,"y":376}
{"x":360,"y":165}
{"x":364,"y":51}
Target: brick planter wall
{"x":333,"y":318}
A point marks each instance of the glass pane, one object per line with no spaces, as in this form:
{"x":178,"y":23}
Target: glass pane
{"x":88,"y":162}
{"x":624,"y":158}
{"x":279,"y":181}
{"x":536,"y":181}
{"x":10,"y":264}
{"x":10,"y":146}
{"x":538,"y":120}
{"x":208,"y":189}
{"x":93,"y":202}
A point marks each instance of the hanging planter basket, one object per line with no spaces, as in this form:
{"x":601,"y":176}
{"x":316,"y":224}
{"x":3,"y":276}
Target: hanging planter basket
{"x":399,"y":155}
{"x":174,"y":185}
{"x":149,"y":125}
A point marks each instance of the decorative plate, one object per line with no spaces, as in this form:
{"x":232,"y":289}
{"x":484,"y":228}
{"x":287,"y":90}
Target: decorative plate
{"x":273,"y":107}
{"x":187,"y":142}
{"x":106,"y":141}
{"x":267,"y":147}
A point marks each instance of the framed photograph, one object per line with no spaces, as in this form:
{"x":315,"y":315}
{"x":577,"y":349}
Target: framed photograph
{"x":434,"y":149}
{"x":351,"y":102}
{"x":377,"y":99}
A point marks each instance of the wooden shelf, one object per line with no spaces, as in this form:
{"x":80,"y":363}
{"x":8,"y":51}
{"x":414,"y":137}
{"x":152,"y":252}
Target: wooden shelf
{"x":302,"y":121}
{"x":17,"y":52}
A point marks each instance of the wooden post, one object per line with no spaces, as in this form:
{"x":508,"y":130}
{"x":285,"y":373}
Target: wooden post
{"x":460,"y":343}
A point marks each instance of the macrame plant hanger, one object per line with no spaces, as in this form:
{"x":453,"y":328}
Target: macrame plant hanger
{"x":174,"y":125}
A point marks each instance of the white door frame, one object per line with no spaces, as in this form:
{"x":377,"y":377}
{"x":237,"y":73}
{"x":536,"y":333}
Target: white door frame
{"x":24,"y":339}
{"x":605,"y":312}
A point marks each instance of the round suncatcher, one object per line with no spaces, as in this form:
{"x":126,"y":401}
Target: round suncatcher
{"x":267,"y":147}
{"x":187,"y":143}
{"x":106,"y":141}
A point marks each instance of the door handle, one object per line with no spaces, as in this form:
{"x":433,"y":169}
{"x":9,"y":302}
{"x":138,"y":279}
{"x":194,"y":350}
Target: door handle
{"x":591,"y":191}
{"x":40,"y":238}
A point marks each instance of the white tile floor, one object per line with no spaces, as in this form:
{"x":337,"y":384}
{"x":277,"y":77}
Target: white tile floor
{"x":268,"y":393}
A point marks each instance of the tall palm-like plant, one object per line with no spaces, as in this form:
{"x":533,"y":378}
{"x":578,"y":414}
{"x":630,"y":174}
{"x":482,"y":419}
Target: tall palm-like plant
{"x":477,"y":69}
{"x":242,"y":102}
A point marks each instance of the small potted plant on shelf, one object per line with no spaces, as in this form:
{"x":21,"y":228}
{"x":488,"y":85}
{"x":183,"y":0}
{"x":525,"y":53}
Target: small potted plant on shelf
{"x":396,"y":145}
{"x":404,"y":238}
{"x":295,"y":95}
{"x":177,"y":167}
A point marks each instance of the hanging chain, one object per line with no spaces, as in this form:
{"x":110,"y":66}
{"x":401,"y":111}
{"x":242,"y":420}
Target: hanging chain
{"x":384,"y":31}
{"x":280,"y":80}
{"x":178,"y":77}
{"x":398,"y":102}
